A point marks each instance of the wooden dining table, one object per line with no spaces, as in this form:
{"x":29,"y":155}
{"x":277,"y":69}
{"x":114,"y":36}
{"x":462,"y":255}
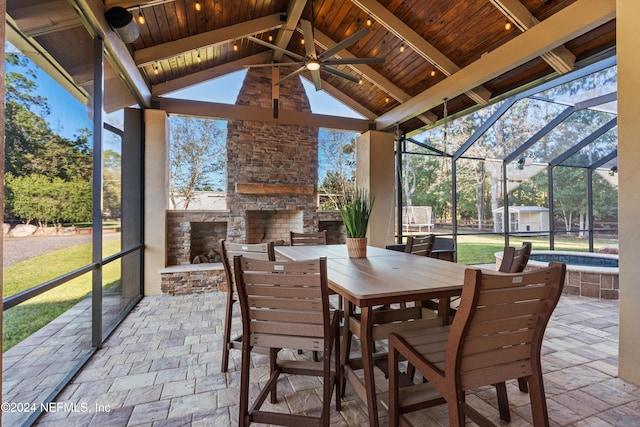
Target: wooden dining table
{"x":384,"y":277}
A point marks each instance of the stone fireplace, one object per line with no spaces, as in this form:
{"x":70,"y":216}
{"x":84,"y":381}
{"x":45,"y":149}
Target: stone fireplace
{"x":272,"y":174}
{"x":271,"y":168}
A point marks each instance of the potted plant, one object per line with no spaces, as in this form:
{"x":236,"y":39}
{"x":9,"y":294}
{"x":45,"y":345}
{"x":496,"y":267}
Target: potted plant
{"x":355,"y":210}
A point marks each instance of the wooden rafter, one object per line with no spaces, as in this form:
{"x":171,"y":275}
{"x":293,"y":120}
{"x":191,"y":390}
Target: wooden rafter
{"x":209,"y":73}
{"x":215,"y":37}
{"x":116,"y":50}
{"x":560,"y":58}
{"x":294,"y":12}
{"x":370,"y":74}
{"x":382,"y":15}
{"x":569,"y":23}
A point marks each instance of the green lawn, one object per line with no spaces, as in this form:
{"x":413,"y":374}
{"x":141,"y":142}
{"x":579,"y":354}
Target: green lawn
{"x":481,"y":249}
{"x":23,"y":320}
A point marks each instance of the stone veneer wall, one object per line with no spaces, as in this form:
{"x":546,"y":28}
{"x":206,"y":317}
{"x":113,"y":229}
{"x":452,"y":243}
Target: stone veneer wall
{"x":270,"y":153}
{"x":179,"y":232}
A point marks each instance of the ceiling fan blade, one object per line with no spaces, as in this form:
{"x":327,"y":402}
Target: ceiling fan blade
{"x":275,"y":64}
{"x":339,"y":73}
{"x":274,"y":47}
{"x":344,"y":43}
{"x":309,"y":42}
{"x":347,"y":61}
{"x":317,"y":81}
{"x":295,"y":73}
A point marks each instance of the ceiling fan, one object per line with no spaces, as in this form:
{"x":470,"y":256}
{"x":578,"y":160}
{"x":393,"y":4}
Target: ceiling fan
{"x":315,"y":63}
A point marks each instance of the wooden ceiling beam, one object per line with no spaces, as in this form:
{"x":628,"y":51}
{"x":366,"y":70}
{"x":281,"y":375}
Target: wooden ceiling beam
{"x":242,"y":112}
{"x":128,"y":4}
{"x":394,"y":25}
{"x":560,"y":58}
{"x":573,"y":21}
{"x":209,"y":74}
{"x":219,"y":36}
{"x":116,"y":50}
{"x":384,"y":84}
{"x":367,"y":72}
{"x":294,"y":12}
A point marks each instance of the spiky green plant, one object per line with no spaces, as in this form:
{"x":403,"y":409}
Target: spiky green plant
{"x":355,"y":210}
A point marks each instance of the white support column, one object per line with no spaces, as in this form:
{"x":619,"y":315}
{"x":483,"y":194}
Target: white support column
{"x":628,"y":15}
{"x":156,"y":184}
{"x":375,"y":170}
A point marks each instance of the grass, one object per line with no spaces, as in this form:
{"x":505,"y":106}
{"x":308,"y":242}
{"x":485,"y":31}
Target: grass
{"x":481,"y":249}
{"x":23,"y":320}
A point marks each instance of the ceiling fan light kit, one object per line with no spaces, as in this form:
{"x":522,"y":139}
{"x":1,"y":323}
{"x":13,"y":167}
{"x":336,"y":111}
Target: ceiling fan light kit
{"x":314,"y":62}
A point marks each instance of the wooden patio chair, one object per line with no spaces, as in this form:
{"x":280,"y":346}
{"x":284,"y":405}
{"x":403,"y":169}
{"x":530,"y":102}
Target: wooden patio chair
{"x":263,"y":251}
{"x":306,"y":239}
{"x":496,"y":336}
{"x":420,"y":245}
{"x":515,"y":260}
{"x":286,"y":305}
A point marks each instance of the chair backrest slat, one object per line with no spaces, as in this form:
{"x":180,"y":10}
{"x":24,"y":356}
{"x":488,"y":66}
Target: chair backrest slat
{"x":500,"y":323}
{"x":307,"y":239}
{"x":515,"y":260}
{"x":284,"y":302}
{"x":420,"y":245}
{"x":261,"y":251}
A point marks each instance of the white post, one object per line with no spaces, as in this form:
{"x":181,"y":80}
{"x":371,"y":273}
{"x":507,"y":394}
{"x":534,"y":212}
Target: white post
{"x":375,"y":170}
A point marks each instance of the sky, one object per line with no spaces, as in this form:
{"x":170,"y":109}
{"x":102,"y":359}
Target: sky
{"x":68,"y":114}
{"x":226,"y":90}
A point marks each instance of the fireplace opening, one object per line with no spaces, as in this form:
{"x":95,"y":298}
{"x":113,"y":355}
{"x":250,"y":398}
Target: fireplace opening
{"x":204,"y":242}
{"x":266,"y":226}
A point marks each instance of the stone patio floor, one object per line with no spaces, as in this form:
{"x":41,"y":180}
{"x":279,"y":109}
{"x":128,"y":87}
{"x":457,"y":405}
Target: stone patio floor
{"x":161,"y":367}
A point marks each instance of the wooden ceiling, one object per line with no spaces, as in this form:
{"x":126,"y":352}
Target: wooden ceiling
{"x":456,"y":49}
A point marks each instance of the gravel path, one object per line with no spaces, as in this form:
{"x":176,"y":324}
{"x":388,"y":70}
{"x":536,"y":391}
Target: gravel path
{"x":22,"y":248}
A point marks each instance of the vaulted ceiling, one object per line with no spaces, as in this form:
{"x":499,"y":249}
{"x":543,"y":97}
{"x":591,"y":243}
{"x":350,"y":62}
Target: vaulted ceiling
{"x":459,"y":50}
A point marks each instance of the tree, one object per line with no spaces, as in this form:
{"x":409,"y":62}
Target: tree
{"x":48,"y":175}
{"x":30,"y":144}
{"x":112,"y":184}
{"x":336,"y":161}
{"x":197,"y":153}
{"x":44,"y":200}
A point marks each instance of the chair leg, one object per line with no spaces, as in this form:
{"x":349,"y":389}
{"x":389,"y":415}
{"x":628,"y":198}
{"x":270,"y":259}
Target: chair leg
{"x":522,"y":383}
{"x":394,"y":400}
{"x":338,"y":368}
{"x":243,"y":415}
{"x":538,"y":401}
{"x":503,"y":401}
{"x":346,"y":342}
{"x":273,"y":354}
{"x":326,"y":390}
{"x":227,"y":331}
{"x":456,"y":409}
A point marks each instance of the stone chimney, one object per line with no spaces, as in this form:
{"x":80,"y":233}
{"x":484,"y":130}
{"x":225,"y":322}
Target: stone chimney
{"x":272,"y":168}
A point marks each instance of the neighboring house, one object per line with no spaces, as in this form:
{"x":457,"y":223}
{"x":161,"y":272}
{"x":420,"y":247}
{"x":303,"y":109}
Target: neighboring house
{"x":522,"y":219}
{"x":204,"y":201}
